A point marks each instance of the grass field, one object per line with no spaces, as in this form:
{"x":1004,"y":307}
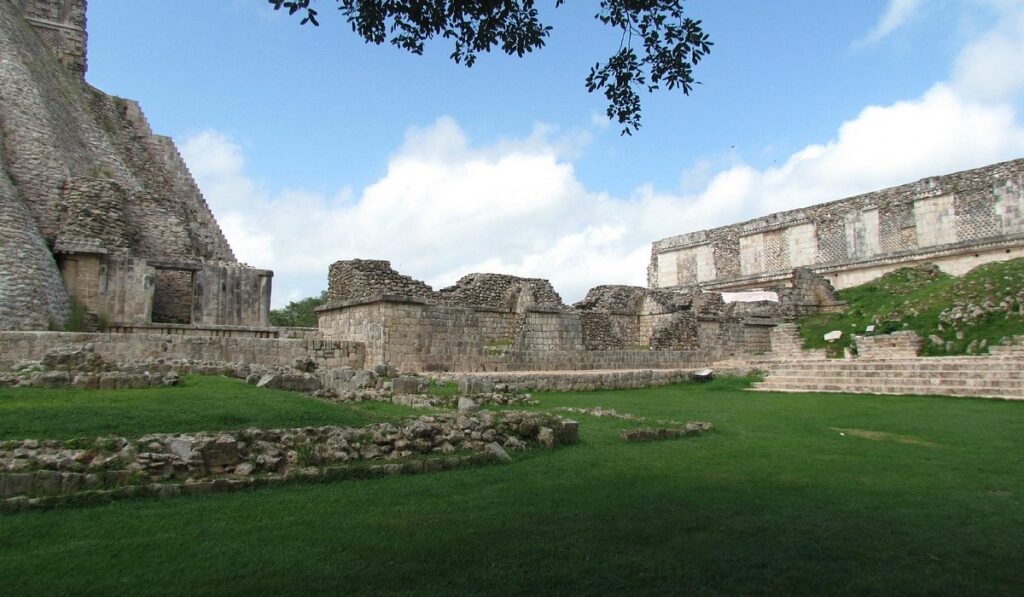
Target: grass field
{"x":807,"y":494}
{"x":199,"y":404}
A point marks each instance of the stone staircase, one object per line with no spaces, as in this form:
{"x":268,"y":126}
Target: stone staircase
{"x":987,"y":377}
{"x":788,"y":344}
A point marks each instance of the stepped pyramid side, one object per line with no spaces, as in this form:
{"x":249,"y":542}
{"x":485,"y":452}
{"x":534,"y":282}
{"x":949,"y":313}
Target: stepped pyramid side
{"x":83,"y":179}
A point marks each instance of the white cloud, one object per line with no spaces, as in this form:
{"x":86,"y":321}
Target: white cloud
{"x":447,"y":207}
{"x":896,"y":14}
{"x":990,"y":67}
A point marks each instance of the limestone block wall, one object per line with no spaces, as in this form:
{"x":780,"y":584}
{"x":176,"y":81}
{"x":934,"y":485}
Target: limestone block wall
{"x":117,"y":288}
{"x":93,"y":209}
{"x":131,"y":348}
{"x":413,"y":335}
{"x":231,"y":294}
{"x":551,"y":331}
{"x":61,"y":25}
{"x":944,"y":218}
{"x":897,"y":345}
{"x":167,"y":213}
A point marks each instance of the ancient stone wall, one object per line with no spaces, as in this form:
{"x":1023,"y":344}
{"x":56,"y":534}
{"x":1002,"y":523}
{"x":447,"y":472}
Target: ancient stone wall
{"x":807,"y":293}
{"x":172,"y":296}
{"x":944,"y":219}
{"x":897,"y":345}
{"x":133,"y":348}
{"x":589,"y":360}
{"x":361,"y":279}
{"x":61,"y":26}
{"x":578,"y":381}
{"x":31,"y":293}
{"x":82,"y":174}
{"x":502,"y":292}
{"x":495,"y":322}
{"x":632,"y":317}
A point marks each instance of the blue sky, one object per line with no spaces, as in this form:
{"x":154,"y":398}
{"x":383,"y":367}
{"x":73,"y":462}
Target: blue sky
{"x":311,"y":146}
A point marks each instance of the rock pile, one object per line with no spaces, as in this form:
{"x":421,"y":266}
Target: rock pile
{"x":84,"y":369}
{"x":651,"y":435}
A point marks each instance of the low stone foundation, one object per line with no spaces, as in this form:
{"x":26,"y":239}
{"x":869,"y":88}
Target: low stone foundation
{"x":36,"y":468}
{"x":132,"y":348}
{"x":569,"y":381}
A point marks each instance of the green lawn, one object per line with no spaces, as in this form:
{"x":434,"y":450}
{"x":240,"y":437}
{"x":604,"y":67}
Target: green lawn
{"x":794,"y":493}
{"x":199,"y":404}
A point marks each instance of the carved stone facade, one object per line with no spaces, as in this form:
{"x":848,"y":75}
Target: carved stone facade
{"x":93,"y":206}
{"x":957,"y":221}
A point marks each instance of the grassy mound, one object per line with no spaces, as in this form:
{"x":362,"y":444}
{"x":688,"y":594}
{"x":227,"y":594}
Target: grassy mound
{"x":955,"y":315}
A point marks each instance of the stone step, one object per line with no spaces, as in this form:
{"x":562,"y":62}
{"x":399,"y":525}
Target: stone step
{"x":935,"y":382}
{"x":881,"y":366}
{"x":993,"y":377}
{"x":909,"y":386}
{"x":908,"y":372}
{"x":893,"y":390}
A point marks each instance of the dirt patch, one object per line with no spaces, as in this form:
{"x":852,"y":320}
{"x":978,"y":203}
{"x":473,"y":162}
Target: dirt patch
{"x":882,"y":436}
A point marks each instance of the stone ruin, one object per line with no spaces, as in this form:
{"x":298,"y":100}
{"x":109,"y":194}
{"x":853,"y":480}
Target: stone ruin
{"x":95,"y":209}
{"x":956,"y":221}
{"x":100,"y":214}
{"x":496,"y":322}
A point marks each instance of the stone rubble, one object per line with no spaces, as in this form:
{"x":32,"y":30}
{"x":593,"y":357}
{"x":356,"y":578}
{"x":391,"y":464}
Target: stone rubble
{"x":650,"y":435}
{"x":34,"y":468}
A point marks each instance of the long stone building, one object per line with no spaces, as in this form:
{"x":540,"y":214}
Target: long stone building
{"x":958,"y":221}
{"x":94,"y":208}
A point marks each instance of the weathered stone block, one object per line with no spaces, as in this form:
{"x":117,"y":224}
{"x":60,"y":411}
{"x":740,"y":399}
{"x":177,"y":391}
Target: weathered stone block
{"x":19,"y":484}
{"x":409,"y":384}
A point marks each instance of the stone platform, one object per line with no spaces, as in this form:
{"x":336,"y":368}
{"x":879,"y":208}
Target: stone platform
{"x":983,"y":377}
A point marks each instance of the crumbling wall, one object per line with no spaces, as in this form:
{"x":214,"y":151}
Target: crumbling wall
{"x":633,"y":317}
{"x":808,"y":293}
{"x":502,"y":291}
{"x":952,"y":216}
{"x":490,"y":322}
{"x":362,"y":279}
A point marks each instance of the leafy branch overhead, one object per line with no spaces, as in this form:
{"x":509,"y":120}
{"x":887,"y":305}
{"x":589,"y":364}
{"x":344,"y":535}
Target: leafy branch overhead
{"x":659,"y":45}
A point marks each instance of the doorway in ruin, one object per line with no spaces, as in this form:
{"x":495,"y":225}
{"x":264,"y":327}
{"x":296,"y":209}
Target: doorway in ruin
{"x":173,"y":295}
